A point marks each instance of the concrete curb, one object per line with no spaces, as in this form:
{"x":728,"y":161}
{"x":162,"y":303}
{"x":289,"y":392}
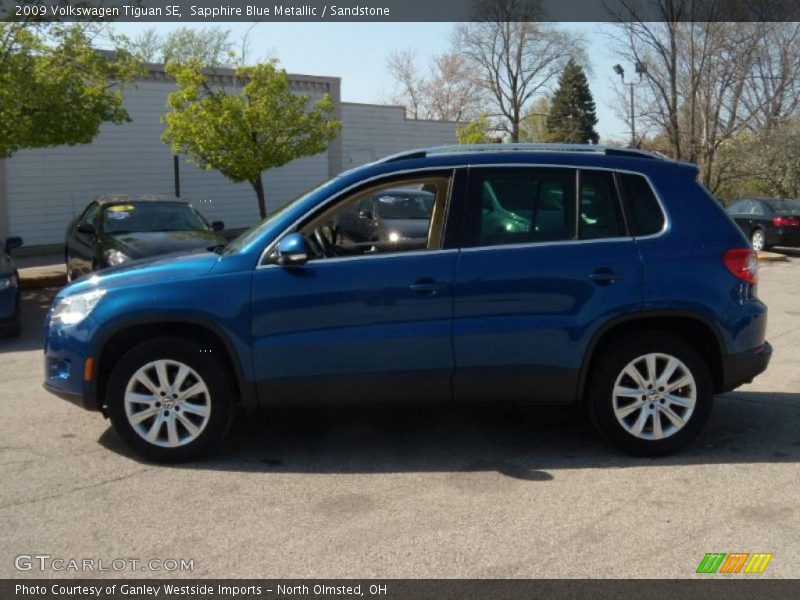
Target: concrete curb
{"x":772,"y":257}
{"x":34,"y":278}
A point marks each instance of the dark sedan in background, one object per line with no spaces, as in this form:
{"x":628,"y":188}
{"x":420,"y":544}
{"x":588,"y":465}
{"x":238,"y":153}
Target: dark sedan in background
{"x":397,"y":216}
{"x":768,"y":222}
{"x":114,"y":230}
{"x":9,"y":289}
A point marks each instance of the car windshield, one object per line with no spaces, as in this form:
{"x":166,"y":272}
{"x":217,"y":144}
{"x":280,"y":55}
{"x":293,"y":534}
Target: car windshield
{"x":140,"y":217}
{"x":786,"y":205}
{"x":404,"y":206}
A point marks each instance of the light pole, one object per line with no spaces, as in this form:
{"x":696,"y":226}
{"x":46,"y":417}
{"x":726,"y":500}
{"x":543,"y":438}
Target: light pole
{"x":640,"y":69}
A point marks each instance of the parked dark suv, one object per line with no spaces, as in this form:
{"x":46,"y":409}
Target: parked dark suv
{"x":619,"y":283}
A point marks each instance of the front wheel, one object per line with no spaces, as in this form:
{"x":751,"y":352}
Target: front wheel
{"x":651,"y":394}
{"x":170,"y":400}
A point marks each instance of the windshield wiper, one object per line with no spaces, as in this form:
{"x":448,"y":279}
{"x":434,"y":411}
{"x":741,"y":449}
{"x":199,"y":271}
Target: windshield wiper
{"x":217,"y":249}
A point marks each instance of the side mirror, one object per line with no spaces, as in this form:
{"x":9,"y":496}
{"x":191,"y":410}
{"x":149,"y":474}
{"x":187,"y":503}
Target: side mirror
{"x":217,"y":225}
{"x":12,"y":243}
{"x":292,"y":251}
{"x":365,"y":214}
{"x":86,"y":229}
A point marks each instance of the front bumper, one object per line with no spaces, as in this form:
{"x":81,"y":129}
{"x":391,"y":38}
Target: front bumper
{"x":66,"y":349}
{"x":741,"y":368}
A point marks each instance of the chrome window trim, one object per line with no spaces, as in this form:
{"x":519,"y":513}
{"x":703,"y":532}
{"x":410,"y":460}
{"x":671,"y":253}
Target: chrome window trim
{"x":666,"y":227}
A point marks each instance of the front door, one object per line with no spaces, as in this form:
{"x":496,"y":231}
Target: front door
{"x":362,"y":323}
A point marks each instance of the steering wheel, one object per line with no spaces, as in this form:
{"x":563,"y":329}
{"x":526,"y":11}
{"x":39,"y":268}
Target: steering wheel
{"x":325,"y":237}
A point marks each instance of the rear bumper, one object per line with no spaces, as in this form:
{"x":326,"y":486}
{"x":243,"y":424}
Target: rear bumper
{"x":742,"y":368}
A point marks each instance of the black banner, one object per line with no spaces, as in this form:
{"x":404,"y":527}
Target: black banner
{"x":214,"y":11}
{"x":731,"y":588}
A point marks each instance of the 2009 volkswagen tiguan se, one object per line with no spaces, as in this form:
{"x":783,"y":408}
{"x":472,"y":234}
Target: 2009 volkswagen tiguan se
{"x":611,"y":278}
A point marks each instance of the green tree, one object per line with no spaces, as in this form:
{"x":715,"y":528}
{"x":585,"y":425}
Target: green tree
{"x":572,"y":114}
{"x":258,"y":125}
{"x":56,"y":88}
{"x":533,"y":127}
{"x":212,"y":46}
{"x":475,"y":132}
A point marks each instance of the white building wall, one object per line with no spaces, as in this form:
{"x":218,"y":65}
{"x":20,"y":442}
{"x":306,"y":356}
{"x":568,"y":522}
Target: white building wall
{"x":46,"y":188}
{"x":371,"y":131}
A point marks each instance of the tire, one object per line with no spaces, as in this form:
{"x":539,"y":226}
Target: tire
{"x":641,"y":423}
{"x":178,"y":436}
{"x":758,"y":240}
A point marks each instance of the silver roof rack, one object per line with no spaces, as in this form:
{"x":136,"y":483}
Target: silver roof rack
{"x":479,"y":148}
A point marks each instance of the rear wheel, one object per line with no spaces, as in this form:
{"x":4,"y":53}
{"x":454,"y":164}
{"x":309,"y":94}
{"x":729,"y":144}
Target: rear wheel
{"x":170,"y":400}
{"x":650,"y":394}
{"x":758,"y":240}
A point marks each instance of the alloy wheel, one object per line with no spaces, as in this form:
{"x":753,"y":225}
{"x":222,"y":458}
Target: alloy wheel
{"x":654,"y":396}
{"x":757,"y":240}
{"x":167,"y":403}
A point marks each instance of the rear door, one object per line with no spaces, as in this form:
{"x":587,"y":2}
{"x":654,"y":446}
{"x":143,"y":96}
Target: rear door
{"x":546,"y":260}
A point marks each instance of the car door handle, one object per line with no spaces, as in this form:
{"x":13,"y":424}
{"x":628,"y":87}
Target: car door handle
{"x":427,"y":286}
{"x":605,"y":276}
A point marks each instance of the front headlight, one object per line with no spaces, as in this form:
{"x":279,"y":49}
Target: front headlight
{"x":115,"y":257}
{"x":8,"y":282}
{"x":74,"y":309}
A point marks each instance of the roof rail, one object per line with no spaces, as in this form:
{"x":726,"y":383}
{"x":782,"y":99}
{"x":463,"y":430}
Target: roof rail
{"x":478,"y":148}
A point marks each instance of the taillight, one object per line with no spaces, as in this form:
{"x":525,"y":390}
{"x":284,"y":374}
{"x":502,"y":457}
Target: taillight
{"x":742,"y":263}
{"x":786,"y":222}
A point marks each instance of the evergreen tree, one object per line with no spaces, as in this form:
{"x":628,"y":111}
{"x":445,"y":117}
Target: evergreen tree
{"x":572,"y":113}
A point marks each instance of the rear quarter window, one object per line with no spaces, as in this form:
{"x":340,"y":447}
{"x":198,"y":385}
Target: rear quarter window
{"x":646,"y":217}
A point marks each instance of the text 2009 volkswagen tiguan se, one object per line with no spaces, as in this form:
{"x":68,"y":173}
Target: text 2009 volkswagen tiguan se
{"x":619,"y":283}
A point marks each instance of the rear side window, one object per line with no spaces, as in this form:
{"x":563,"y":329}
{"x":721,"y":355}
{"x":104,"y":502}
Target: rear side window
{"x":645,"y":213}
{"x":520,"y":206}
{"x":600,"y":213}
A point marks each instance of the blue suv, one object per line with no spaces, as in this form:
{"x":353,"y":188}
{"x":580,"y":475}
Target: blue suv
{"x":530,"y":274}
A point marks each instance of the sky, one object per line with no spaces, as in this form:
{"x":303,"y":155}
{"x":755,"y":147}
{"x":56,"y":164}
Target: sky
{"x":357,"y":52}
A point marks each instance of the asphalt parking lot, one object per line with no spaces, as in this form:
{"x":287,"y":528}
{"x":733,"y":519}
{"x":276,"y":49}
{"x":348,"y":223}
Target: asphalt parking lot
{"x":408,"y":493}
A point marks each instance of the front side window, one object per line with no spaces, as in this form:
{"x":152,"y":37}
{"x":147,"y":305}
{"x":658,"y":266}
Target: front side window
{"x":89,"y":216}
{"x":404,"y":215}
{"x":519,"y":206}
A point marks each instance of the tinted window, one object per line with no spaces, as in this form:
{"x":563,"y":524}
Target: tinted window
{"x":785,"y":205}
{"x":757,"y":208}
{"x":599,"y":209}
{"x":645,"y":213}
{"x":90,"y":214}
{"x":521,"y":206}
{"x":736,"y":207}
